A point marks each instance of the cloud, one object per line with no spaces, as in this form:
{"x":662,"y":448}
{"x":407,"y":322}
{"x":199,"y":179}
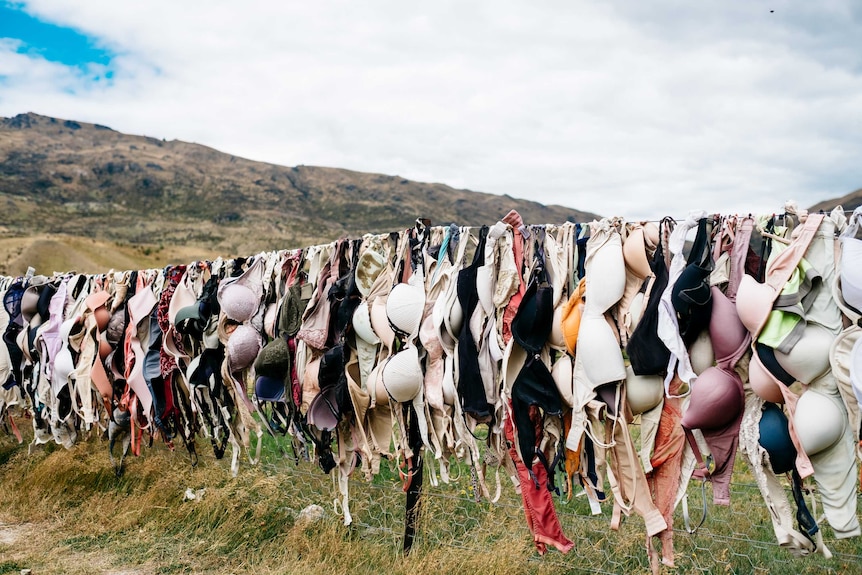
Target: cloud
{"x":630,"y":108}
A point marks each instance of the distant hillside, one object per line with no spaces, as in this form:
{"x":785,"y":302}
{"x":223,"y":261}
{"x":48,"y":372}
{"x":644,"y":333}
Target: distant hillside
{"x":60,"y":253}
{"x":65,"y":177}
{"x":849,"y":202}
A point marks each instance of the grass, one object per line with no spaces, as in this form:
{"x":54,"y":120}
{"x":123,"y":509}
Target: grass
{"x":50,"y":253}
{"x":88,"y":520}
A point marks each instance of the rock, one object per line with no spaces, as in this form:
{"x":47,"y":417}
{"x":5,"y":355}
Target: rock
{"x":194,"y":495}
{"x":311,"y":514}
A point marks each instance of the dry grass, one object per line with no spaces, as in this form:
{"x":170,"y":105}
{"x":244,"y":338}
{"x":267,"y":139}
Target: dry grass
{"x":90,"y":521}
{"x":61,"y":253}
{"x":66,"y":512}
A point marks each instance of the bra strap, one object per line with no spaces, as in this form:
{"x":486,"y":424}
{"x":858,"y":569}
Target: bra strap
{"x":738,"y":254}
{"x":787,"y":260}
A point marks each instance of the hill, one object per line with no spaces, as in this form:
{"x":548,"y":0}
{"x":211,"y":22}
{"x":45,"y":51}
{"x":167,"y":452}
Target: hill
{"x":86,"y":180}
{"x":849,"y":202}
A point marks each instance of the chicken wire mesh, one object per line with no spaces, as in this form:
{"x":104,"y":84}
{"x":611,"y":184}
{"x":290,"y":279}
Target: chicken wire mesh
{"x":733,"y":539}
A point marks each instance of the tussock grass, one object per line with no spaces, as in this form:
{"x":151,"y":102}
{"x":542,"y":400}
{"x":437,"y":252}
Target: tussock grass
{"x":74,"y":516}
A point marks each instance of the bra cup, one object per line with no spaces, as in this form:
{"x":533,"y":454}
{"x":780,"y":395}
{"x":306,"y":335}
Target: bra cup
{"x":66,"y":329}
{"x":485,"y":288}
{"x":606,"y":277}
{"x":29,"y":304}
{"x":269,"y":388}
{"x":651,"y":234}
{"x":727,"y":332}
{"x":375,"y":387}
{"x":64,"y":365}
{"x":103,"y":316}
{"x":856,"y":370}
{"x":596,"y":341}
{"x":775,"y":438}
{"x":635,"y":255}
{"x":643,"y":392}
{"x":455,"y":319}
{"x":321,"y":412}
{"x":404,"y":307}
{"x":636,"y":309}
{"x":819,"y":421}
{"x":753,"y":303}
{"x":380,"y":322}
{"x":21,"y":341}
{"x":402,"y":375}
{"x":269,"y":320}
{"x":104,"y":347}
{"x":369,"y":266}
{"x":557,"y":339}
{"x":429,"y":339}
{"x":716,"y":400}
{"x":570,"y":318}
{"x":242,"y":347}
{"x":450,"y":393}
{"x":238,"y":302}
{"x":701,"y":353}
{"x":562,"y":374}
{"x":438,"y":318}
{"x":691,"y":288}
{"x":809,"y":358}
{"x":851,"y":272}
{"x":310,"y":385}
{"x":763,"y":384}
{"x":183,"y":296}
{"x":362,"y":324}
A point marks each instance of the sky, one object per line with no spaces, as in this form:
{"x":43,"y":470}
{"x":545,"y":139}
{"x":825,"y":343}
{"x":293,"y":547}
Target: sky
{"x":633,"y":108}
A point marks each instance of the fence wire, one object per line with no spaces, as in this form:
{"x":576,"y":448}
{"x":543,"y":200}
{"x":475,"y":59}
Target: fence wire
{"x":734,"y":539}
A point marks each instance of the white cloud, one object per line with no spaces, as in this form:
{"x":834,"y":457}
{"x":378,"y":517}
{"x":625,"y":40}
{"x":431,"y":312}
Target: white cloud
{"x":632,"y":108}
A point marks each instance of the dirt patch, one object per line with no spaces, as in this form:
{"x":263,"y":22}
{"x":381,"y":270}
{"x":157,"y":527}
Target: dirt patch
{"x":32,"y":545}
{"x":13,"y":533}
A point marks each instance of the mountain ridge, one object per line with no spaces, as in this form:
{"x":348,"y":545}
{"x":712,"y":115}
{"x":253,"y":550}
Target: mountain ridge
{"x":62,"y":176}
{"x":849,"y":202}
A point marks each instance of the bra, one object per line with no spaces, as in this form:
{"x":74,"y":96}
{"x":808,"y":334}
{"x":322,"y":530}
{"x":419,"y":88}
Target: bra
{"x":598,"y":345}
{"x":775,"y":438}
{"x":269,"y":388}
{"x":691,"y":295}
{"x":819,"y":420}
{"x":717,"y":396}
{"x":634,"y":254}
{"x":851,"y":262}
{"x":729,"y":337}
{"x":716,"y":400}
{"x":647,"y":353}
{"x":570,"y":320}
{"x":754,"y":300}
{"x":809,"y":358}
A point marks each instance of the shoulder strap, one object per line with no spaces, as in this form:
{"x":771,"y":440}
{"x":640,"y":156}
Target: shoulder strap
{"x":784,"y":263}
{"x":738,"y":255}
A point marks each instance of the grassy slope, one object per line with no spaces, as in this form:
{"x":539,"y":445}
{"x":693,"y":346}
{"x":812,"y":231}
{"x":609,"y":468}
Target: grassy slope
{"x":66,"y":513}
{"x":49,"y":253}
{"x":141,"y":524}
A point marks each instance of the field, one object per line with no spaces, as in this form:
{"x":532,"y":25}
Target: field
{"x":66,"y":512}
{"x":48,"y":253}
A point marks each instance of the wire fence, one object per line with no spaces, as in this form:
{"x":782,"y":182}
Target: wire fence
{"x":734,"y":539}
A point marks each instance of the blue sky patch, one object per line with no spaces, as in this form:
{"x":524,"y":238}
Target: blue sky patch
{"x":52,"y":42}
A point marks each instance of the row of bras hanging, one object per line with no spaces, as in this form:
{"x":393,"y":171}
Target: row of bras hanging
{"x":753,"y":349}
{"x":551,"y":336}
